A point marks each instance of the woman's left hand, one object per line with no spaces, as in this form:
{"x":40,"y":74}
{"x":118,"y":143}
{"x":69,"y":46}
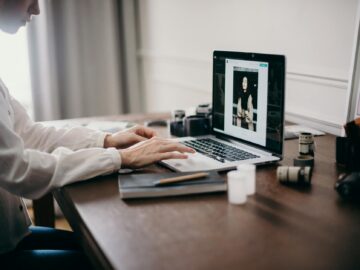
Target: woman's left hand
{"x":129,"y":137}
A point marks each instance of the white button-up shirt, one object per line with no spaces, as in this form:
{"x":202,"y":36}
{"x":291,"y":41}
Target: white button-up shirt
{"x":35,"y":159}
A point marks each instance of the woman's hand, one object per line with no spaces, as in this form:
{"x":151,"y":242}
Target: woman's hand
{"x":151,"y":151}
{"x":128,"y":137}
{"x":247,"y":117}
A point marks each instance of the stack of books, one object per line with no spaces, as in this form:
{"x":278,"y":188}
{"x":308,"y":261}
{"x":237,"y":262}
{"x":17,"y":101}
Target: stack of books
{"x":169,"y":184}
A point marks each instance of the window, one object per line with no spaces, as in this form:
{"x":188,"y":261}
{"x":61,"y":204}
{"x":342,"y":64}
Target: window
{"x":14,"y":67}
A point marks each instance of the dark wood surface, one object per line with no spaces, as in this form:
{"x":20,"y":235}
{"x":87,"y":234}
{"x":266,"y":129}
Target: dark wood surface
{"x":280,"y":227}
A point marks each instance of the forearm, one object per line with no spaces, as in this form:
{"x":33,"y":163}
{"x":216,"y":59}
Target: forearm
{"x":32,"y":173}
{"x":47,"y":139}
{"x":251,"y":109}
{"x":239,"y":108}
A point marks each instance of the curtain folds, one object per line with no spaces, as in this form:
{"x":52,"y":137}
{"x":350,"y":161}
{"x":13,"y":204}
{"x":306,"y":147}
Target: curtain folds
{"x":75,"y":59}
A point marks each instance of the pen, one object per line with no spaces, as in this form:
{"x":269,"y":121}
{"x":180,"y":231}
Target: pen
{"x":180,"y":178}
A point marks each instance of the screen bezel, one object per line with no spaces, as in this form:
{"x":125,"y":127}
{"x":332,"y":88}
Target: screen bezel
{"x":270,"y":58}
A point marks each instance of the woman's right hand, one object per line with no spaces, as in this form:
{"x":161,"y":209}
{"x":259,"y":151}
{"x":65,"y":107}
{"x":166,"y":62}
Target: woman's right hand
{"x":151,"y":151}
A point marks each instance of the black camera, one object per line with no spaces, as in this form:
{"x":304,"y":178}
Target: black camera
{"x":348,"y":153}
{"x":192,"y":125}
{"x":348,"y":186}
{"x":348,"y":148}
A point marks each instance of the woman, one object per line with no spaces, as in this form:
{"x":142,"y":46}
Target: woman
{"x":35,"y":159}
{"x":245,"y":110}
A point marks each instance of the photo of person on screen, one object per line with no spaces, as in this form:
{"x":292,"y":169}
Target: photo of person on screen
{"x":245,"y":108}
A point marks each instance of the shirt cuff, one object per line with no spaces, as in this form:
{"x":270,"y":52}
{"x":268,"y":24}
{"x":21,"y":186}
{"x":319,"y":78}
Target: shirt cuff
{"x":116,"y":157}
{"x":101,"y":139}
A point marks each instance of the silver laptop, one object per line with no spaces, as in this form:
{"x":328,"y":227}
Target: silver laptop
{"x":248,"y":114}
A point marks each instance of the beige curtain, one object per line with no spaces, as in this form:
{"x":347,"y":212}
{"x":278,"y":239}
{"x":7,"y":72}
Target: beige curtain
{"x":76,"y":64}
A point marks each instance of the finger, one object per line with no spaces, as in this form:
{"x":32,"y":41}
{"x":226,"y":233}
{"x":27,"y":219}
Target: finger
{"x":172,"y":143}
{"x":136,"y":138}
{"x":145,"y":132}
{"x":161,"y":140}
{"x":176,"y":147}
{"x":166,"y":140}
{"x":171,"y":155}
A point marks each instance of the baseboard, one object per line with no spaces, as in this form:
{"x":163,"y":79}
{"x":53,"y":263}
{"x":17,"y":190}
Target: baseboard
{"x":329,"y":127}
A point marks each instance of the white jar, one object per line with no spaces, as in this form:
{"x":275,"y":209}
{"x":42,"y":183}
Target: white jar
{"x":236,"y":187}
{"x":250,"y":178}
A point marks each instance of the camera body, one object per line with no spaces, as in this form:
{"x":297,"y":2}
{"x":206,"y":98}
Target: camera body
{"x":192,"y":125}
{"x":348,"y":185}
{"x":348,"y":153}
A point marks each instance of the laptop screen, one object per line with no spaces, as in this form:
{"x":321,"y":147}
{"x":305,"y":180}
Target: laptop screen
{"x":248,"y":98}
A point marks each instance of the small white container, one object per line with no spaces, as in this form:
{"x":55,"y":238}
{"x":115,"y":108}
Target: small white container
{"x":248,"y":170}
{"x":236,"y":187}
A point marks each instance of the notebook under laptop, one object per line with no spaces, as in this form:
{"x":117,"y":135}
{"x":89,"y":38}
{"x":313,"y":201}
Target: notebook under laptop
{"x":248,"y":114}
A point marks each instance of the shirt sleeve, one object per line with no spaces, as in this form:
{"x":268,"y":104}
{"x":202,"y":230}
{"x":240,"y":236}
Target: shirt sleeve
{"x":31,"y":173}
{"x":47,"y":139}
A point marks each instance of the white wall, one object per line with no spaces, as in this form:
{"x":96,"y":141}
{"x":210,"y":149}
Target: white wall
{"x":177,"y":39}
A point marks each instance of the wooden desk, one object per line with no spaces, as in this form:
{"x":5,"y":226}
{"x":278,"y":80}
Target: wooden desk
{"x":278,"y":228}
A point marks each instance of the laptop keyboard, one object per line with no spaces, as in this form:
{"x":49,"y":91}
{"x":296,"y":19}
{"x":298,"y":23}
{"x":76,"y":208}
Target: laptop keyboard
{"x":218,"y":151}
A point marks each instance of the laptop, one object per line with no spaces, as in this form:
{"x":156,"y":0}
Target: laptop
{"x":247,"y":116}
